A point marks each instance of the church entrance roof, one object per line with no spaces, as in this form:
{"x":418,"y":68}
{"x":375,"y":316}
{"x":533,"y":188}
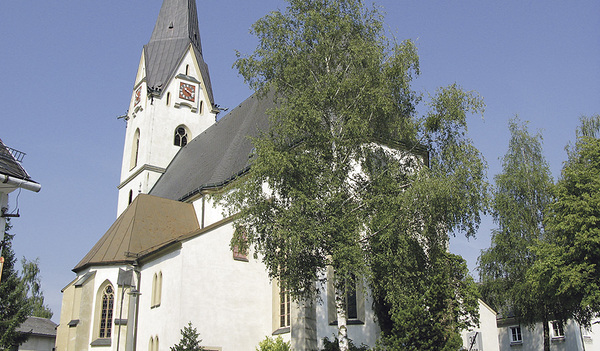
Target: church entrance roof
{"x":148,"y":224}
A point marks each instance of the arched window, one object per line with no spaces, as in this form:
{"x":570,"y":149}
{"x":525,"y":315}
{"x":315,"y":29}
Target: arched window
{"x":156,"y":343}
{"x":106,"y":313}
{"x":151,"y":344}
{"x":168,"y":98}
{"x":130,"y":196}
{"x":156,"y":290}
{"x":135,"y":149}
{"x":201,"y":109}
{"x":181,"y":136}
{"x":187,"y":70}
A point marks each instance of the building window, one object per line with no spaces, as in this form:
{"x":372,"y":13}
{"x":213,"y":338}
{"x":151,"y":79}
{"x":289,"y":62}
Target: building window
{"x":181,"y":136}
{"x":156,"y":289}
{"x":284,"y":307}
{"x":354,"y":300}
{"x":586,"y":332}
{"x":240,"y":253}
{"x":135,"y":149}
{"x":558,"y":331}
{"x":187,"y":70}
{"x":201,"y":109}
{"x":351,"y":305}
{"x":106,"y":316}
{"x":515,"y":335}
{"x":153,"y":344}
{"x":168,"y":98}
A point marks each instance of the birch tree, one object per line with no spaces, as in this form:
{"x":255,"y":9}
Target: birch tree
{"x":345,"y":122}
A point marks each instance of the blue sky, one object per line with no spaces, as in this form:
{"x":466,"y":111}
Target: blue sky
{"x":68,"y":67}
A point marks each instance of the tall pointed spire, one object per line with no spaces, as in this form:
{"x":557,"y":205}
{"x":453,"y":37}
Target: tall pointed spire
{"x":178,"y":19}
{"x":176,"y":28}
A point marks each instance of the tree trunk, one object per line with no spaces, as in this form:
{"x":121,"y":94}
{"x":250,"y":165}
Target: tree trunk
{"x":340,"y":306}
{"x":546,"y":328}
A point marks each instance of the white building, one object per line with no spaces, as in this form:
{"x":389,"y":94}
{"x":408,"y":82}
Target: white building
{"x":42,"y":334}
{"x":167,"y":260}
{"x":12,"y":177}
{"x":563,"y":337}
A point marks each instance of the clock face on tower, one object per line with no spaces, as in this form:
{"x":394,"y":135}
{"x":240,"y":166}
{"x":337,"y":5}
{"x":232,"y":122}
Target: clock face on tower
{"x":187,"y":92}
{"x":138,"y":96}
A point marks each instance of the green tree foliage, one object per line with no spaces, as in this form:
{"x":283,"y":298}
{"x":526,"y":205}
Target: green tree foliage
{"x":343,"y":167}
{"x":522,"y":194}
{"x":567,"y":270}
{"x":14,"y":306}
{"x":30,"y":276}
{"x":190,"y":340}
{"x":273,"y":344}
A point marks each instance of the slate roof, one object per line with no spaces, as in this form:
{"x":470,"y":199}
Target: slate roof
{"x":38,"y":326}
{"x":10,"y":166}
{"x":175,"y":30}
{"x":218,"y":155}
{"x":148,"y":223}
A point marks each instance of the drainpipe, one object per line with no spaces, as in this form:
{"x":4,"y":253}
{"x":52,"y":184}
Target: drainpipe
{"x":136,"y":293}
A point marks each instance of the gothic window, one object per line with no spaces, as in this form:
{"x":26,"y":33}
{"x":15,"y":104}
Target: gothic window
{"x":130,"y":196}
{"x":284,"y":307}
{"x":351,"y":306}
{"x":181,"y":136}
{"x":187,"y":70}
{"x":155,"y":343}
{"x":135,"y":149}
{"x":151,"y":344}
{"x":106,"y":313}
{"x":168,"y":98}
{"x":353,"y":299}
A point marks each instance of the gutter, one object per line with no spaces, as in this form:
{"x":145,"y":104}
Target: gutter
{"x":20,"y":183}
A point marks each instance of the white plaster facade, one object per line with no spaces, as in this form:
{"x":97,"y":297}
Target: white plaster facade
{"x":485,"y":336}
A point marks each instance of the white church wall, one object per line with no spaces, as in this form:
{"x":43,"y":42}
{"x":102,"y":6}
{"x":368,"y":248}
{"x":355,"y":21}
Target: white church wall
{"x":237,"y":302}
{"x":228,"y":301}
{"x":162,"y":320}
{"x":104,"y":274}
{"x":213,"y":213}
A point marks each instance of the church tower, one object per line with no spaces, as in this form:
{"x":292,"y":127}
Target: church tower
{"x":171,"y":102}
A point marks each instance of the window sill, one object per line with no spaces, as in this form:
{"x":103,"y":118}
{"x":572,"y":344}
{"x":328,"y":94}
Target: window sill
{"x":558,"y":338}
{"x":350,"y":322}
{"x":280,"y":331}
{"x":516,"y":343}
{"x":101,"y":342}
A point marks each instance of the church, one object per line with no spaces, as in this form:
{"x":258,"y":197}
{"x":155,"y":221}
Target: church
{"x":166,"y":260}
